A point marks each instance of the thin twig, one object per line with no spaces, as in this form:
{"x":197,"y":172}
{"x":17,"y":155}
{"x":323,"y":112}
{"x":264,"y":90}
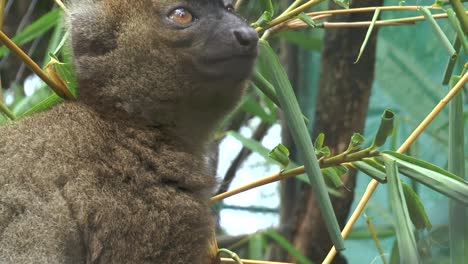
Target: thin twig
{"x":34,"y":67}
{"x":373,"y":184}
{"x":250,"y":261}
{"x":60,"y":3}
{"x":298,"y":24}
{"x":258,"y":135}
{"x":282,"y":175}
{"x":290,"y":15}
{"x":2,"y":13}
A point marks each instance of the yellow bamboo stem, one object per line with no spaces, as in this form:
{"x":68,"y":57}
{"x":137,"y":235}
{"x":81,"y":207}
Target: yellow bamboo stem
{"x":2,"y":18}
{"x":286,"y":17}
{"x":62,"y":91}
{"x":60,"y":3}
{"x":2,"y":13}
{"x":298,"y":24}
{"x":251,"y":261}
{"x":373,"y":184}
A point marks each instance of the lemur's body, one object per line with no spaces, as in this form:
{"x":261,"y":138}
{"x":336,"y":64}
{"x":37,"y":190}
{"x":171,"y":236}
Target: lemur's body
{"x":119,"y":175}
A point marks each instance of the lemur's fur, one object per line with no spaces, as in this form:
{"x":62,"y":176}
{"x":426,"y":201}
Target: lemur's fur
{"x":119,"y":175}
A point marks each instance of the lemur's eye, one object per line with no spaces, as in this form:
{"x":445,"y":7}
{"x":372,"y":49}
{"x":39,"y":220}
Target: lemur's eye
{"x":181,"y":16}
{"x":230,"y":8}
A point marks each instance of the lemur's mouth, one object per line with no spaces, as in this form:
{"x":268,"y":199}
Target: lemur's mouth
{"x":227,"y":58}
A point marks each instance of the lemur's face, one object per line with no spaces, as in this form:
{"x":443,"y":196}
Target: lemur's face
{"x":218,"y":43}
{"x":158,"y":58}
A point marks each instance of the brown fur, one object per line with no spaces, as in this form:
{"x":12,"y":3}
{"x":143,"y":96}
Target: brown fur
{"x":118,"y":176}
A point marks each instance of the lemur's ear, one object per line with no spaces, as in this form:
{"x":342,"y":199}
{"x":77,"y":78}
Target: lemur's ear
{"x":93,"y":30}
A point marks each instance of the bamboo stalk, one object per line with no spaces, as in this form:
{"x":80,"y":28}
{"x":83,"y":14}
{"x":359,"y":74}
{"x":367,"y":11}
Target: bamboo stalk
{"x":60,"y":3}
{"x":250,"y":261}
{"x":2,"y":18}
{"x":2,"y":13}
{"x":294,"y":12}
{"x":373,"y":184}
{"x":298,"y":24}
{"x":34,"y":67}
{"x":461,"y":14}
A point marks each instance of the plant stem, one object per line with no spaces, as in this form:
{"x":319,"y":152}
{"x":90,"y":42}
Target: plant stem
{"x":32,"y":65}
{"x":291,"y":7}
{"x":298,"y":24}
{"x":281,"y":175}
{"x":6,"y":111}
{"x":290,"y":14}
{"x":250,"y":261}
{"x":373,"y":184}
{"x":461,"y":15}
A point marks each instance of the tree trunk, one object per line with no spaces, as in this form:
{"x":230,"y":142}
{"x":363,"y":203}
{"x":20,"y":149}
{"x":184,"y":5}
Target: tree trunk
{"x":344,"y":90}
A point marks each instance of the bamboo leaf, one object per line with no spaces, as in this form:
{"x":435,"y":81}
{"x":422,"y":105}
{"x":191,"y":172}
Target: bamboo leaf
{"x":302,"y":39}
{"x":451,"y":62}
{"x":280,"y":154}
{"x":301,"y":139}
{"x":368,"y":34}
{"x":333,"y":175}
{"x":319,"y":141}
{"x":432,"y":176}
{"x":458,"y":213}
{"x":251,"y":144}
{"x":37,"y":28}
{"x":286,"y":245}
{"x":408,"y":249}
{"x":362,"y":232}
{"x":267,"y":88}
{"x":356,"y":141}
{"x":456,"y":26}
{"x":256,"y":242}
{"x":438,"y":31}
{"x":416,"y":209}
{"x":44,"y":105}
{"x":252,"y":106}
{"x":307,"y":19}
{"x":373,"y":169}
{"x":385,"y":128}
{"x":342,"y":3}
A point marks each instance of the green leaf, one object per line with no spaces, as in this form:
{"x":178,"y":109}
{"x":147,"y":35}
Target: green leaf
{"x":319,"y":141}
{"x":333,"y":176}
{"x":401,"y":220}
{"x":267,"y":88}
{"x":307,"y":19}
{"x":302,"y":39}
{"x":356,"y":141}
{"x":458,"y":213}
{"x":294,"y":117}
{"x":44,"y":105}
{"x":395,"y":255}
{"x":438,"y":31}
{"x":251,"y":144}
{"x":432,"y":176}
{"x":256,"y":245}
{"x":252,"y":106}
{"x":385,"y":128}
{"x":372,"y":168}
{"x":416,"y":209}
{"x":66,"y":74}
{"x":362,"y":232}
{"x":280,"y":154}
{"x":37,"y":28}
{"x":342,"y":3}
{"x":286,"y":245}
{"x":368,"y":34}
